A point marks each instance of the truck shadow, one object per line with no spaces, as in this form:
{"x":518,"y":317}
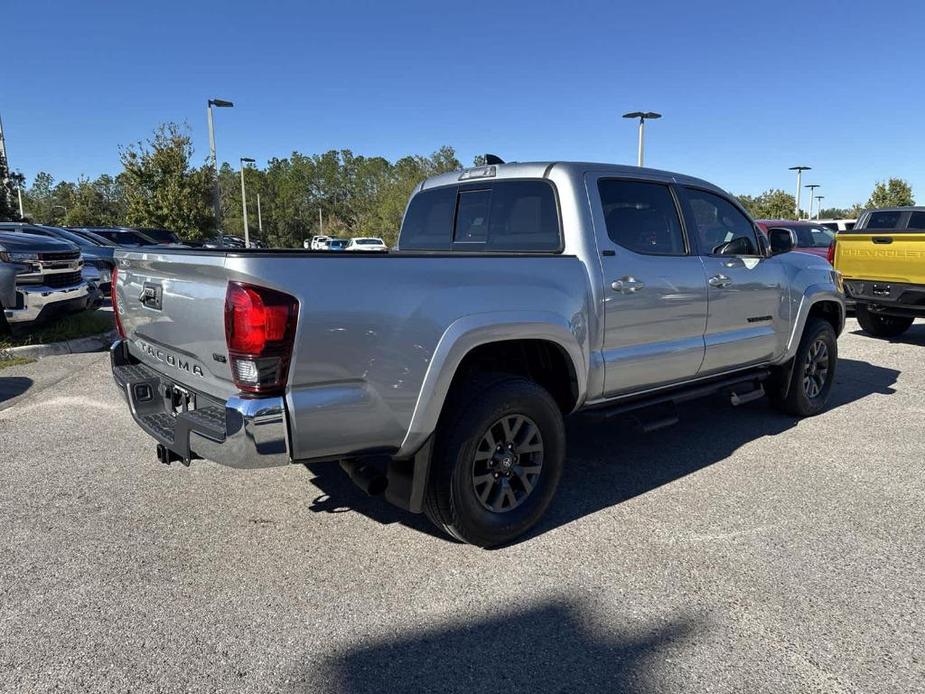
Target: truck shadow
{"x":613,"y":461}
{"x":913,"y":336}
{"x":13,"y":386}
{"x":553,"y":647}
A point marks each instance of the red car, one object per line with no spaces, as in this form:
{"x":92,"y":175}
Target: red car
{"x":811,"y":237}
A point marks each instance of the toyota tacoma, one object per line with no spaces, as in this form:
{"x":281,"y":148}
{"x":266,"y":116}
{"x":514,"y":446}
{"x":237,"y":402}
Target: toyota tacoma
{"x":439,"y":373}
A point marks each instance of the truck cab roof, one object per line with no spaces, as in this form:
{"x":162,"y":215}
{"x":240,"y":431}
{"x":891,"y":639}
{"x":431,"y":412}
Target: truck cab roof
{"x":543,"y":169}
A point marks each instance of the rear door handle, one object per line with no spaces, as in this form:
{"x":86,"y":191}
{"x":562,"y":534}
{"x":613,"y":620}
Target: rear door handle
{"x":720,"y":281}
{"x":627,"y":285}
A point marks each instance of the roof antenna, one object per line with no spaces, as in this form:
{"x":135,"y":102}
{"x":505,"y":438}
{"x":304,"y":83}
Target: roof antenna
{"x":493,"y":159}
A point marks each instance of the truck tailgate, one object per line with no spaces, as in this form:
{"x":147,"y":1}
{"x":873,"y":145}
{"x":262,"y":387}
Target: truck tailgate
{"x":171,"y":306}
{"x":894,"y":256}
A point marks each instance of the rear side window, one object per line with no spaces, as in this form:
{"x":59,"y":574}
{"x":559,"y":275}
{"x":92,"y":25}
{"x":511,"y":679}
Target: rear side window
{"x":502,"y":216}
{"x":641,"y":217}
{"x":917,"y":220}
{"x":884,"y":219}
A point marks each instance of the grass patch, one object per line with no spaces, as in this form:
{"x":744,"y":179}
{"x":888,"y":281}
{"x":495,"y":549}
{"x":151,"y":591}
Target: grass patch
{"x":14,"y":361}
{"x":83,"y":324}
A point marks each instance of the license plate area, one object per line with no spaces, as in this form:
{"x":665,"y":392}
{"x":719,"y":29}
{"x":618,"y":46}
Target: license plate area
{"x":178,"y":399}
{"x":881,"y":290}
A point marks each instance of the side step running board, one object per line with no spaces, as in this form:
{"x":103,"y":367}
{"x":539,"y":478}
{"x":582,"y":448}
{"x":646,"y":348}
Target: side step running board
{"x":740,"y":399}
{"x":691,"y":392}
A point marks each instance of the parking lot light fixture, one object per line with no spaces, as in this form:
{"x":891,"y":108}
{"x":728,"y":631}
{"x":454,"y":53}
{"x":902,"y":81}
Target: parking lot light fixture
{"x":819,"y":199}
{"x":799,"y":170}
{"x":812,"y":189}
{"x":643,"y":116}
{"x":216,"y":193}
{"x":244,"y":162}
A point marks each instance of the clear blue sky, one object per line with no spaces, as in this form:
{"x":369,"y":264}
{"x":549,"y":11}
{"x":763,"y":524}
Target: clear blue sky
{"x":747,"y":88}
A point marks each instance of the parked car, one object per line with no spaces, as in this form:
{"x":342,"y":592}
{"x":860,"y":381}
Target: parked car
{"x":811,"y":237}
{"x":159,"y":235}
{"x":96,"y":253}
{"x":319,"y":243}
{"x":336,"y":245}
{"x":39,"y":278}
{"x":439,"y":374}
{"x":366,"y":244}
{"x":231,"y":241}
{"x":838,"y":224}
{"x":882,"y":260}
{"x":119,"y":235}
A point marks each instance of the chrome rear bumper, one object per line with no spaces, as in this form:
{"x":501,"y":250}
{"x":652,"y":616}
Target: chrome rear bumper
{"x":240,"y":432}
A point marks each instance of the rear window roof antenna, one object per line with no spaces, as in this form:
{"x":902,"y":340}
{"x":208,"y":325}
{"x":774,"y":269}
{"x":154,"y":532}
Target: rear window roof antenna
{"x":493,"y":159}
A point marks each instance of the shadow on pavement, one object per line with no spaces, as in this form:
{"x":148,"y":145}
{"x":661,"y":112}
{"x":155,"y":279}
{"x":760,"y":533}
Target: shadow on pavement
{"x":913,"y":336}
{"x":610,"y":462}
{"x":13,"y":386}
{"x":550,"y":648}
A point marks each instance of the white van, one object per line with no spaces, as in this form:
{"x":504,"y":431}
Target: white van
{"x":837,"y":224}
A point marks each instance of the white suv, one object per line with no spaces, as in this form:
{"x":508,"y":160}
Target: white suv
{"x":367,"y":244}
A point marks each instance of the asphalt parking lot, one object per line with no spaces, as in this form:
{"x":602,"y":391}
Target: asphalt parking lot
{"x":740,"y":550}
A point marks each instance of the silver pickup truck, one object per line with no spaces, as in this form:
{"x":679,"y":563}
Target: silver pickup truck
{"x":439,"y":374}
{"x":39,"y":279}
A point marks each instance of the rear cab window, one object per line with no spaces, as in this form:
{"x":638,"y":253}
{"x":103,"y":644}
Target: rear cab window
{"x":513,"y":216}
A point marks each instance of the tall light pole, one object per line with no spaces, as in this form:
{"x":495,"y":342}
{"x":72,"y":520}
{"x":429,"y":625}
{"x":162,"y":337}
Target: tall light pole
{"x":799,"y":170}
{"x":812,"y":189}
{"x":818,"y":205}
{"x":247,"y":237}
{"x":259,"y":218}
{"x":642,"y":116}
{"x":216,"y":193}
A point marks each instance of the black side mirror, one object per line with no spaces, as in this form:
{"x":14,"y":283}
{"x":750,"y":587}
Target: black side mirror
{"x":781,"y":240}
{"x":738,"y":246}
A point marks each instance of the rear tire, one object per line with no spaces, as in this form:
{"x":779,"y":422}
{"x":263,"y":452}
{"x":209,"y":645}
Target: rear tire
{"x":882,"y":326}
{"x":498,"y":456}
{"x":813,"y":371}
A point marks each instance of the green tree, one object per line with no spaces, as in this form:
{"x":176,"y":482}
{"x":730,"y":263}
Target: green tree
{"x":771,"y":204}
{"x":162,"y":188}
{"x":9,"y":183}
{"x":894,"y":193}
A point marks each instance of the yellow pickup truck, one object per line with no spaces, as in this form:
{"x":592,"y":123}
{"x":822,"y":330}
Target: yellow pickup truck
{"x":882,"y":262}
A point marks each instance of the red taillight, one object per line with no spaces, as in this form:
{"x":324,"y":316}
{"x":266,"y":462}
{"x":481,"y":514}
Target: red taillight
{"x":115,"y":302}
{"x":259,"y":331}
{"x":831,"y":255}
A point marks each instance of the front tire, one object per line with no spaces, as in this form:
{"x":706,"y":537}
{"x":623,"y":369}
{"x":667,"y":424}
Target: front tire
{"x":813,"y":371}
{"x":498,"y":457}
{"x":882,"y":326}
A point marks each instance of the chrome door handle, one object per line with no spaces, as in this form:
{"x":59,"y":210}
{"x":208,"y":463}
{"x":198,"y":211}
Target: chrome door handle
{"x":627,"y":285}
{"x":719,"y":281}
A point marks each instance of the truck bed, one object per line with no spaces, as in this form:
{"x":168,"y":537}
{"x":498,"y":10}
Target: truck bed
{"x":369,"y":325}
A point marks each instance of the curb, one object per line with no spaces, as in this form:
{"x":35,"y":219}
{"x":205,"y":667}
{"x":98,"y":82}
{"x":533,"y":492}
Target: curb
{"x":80,"y":345}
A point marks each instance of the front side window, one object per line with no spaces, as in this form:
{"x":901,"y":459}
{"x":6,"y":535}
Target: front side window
{"x":641,"y":217}
{"x":720,"y":227}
